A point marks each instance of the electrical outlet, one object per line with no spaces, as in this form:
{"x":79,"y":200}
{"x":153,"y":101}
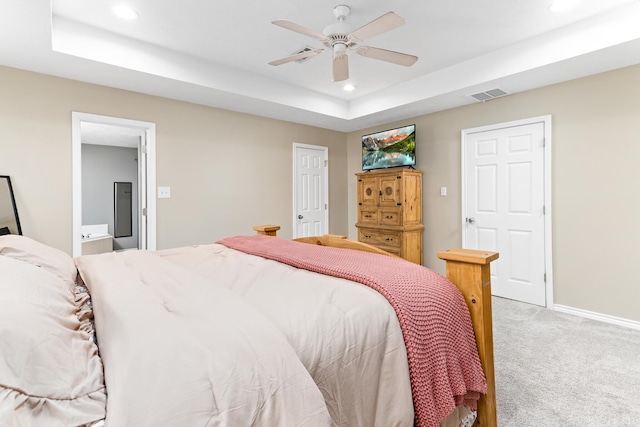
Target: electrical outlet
{"x":164,"y":192}
{"x":443,"y":191}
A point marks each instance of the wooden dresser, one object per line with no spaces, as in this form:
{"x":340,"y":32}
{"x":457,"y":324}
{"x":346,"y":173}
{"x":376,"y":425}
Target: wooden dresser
{"x":390,"y":211}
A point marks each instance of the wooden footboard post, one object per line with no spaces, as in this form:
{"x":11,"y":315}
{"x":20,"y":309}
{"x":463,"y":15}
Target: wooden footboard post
{"x":267,"y":230}
{"x":469,"y":270}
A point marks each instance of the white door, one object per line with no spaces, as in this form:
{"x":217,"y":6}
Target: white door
{"x":310,"y":201}
{"x":504,"y":204}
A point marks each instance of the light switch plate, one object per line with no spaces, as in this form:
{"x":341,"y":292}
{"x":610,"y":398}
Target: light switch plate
{"x":443,"y":191}
{"x":164,"y":192}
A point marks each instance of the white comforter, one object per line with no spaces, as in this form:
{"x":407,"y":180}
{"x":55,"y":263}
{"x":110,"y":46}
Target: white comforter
{"x":180,"y":350}
{"x":196,"y":336}
{"x":346,"y":334}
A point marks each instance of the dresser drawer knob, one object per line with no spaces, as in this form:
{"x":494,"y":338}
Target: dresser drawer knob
{"x":366,"y":236}
{"x":389,"y":239}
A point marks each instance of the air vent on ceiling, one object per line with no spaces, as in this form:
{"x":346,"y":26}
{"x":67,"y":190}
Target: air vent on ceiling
{"x":489,"y":94}
{"x":303,"y":50}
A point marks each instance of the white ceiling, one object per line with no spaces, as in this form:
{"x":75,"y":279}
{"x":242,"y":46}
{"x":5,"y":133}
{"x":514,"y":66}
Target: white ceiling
{"x":102,"y":134}
{"x":216,"y":52}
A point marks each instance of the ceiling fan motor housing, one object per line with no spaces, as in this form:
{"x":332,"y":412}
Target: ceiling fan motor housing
{"x":340,"y":28}
{"x":339,"y":42}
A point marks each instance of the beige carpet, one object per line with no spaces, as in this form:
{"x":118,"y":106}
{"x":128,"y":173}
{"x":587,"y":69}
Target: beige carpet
{"x":554,"y":369}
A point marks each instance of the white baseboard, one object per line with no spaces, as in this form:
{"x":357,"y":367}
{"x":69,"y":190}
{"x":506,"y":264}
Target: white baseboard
{"x":633,"y":324}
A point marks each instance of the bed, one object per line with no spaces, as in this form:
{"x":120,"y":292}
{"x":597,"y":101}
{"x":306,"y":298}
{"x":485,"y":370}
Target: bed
{"x":247,"y":331}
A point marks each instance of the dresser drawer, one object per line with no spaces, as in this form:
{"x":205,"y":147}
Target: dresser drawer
{"x":394,"y":251}
{"x":368,"y":215}
{"x":379,"y":237}
{"x":390,"y":216}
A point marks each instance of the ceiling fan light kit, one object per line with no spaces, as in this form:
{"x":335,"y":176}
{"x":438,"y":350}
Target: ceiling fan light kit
{"x":339,"y":38}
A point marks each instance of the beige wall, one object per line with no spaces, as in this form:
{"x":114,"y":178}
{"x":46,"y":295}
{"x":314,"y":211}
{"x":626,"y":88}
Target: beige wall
{"x":227,"y":171}
{"x":595,"y":188}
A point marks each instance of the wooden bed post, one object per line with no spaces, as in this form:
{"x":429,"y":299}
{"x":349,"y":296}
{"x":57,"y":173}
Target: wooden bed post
{"x":469,"y":270}
{"x":267,"y":230}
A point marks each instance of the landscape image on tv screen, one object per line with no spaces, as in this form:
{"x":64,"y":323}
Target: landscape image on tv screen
{"x":390,"y":148}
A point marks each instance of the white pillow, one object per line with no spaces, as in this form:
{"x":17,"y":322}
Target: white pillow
{"x":51,"y":259}
{"x":50,"y":374}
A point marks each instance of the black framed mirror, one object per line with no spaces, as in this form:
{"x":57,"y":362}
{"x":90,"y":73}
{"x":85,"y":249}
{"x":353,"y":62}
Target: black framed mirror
{"x":9,"y":220}
{"x":122,"y":209}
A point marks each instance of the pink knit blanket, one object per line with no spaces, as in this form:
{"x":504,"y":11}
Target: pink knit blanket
{"x":444,"y":365}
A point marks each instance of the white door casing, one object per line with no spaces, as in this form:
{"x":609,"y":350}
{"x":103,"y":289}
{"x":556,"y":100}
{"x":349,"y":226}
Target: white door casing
{"x":142,"y":185}
{"x":146,"y":178}
{"x":507,"y":205}
{"x":310,"y":190}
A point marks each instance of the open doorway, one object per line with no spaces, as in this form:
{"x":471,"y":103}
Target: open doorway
{"x":107,"y":154}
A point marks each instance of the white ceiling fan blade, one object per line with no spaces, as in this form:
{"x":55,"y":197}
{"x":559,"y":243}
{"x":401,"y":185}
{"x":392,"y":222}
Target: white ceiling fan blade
{"x":299,"y":29}
{"x":340,"y":67}
{"x":386,"y":22}
{"x":387,"y":55}
{"x":297,"y":57}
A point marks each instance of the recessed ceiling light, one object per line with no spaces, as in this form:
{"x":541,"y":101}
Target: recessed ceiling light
{"x":349,"y":87}
{"x":125,"y":12}
{"x":562,"y":5}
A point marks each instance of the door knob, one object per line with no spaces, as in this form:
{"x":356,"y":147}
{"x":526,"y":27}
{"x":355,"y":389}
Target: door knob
{"x":300,"y":217}
{"x":471,"y":220}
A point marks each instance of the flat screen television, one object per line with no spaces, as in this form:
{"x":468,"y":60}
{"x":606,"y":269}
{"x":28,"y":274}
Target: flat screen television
{"x":389,"y":148}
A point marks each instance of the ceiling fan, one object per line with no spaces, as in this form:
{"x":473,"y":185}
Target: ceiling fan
{"x":339,"y":38}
